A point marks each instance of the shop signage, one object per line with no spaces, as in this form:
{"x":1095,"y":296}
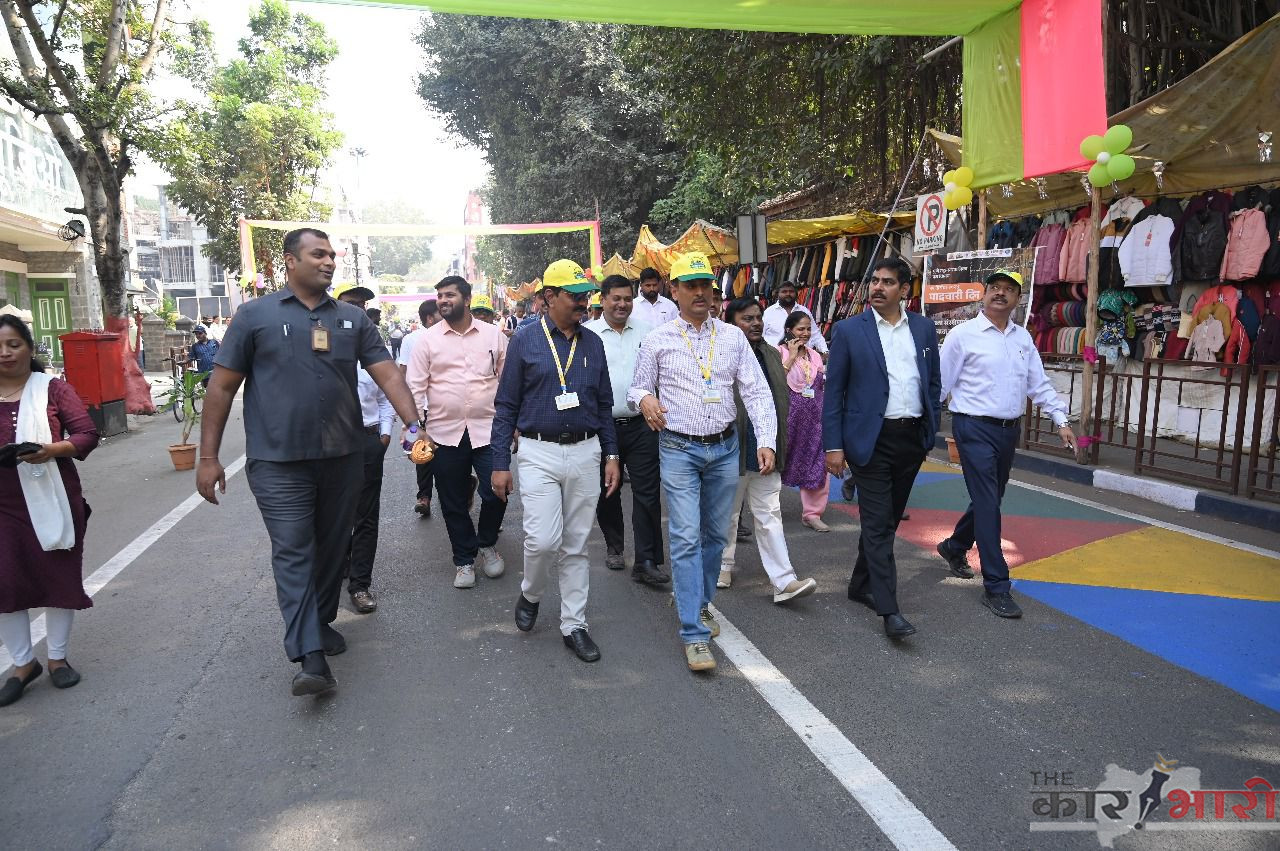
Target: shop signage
{"x":953,"y":284}
{"x":931,"y":223}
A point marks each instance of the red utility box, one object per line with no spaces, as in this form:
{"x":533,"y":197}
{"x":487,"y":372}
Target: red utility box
{"x":94,"y":366}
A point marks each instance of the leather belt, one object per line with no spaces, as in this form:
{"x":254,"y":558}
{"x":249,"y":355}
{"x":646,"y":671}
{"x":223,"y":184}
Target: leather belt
{"x":374,"y":430}
{"x":563,"y":438}
{"x":625,"y":420}
{"x":904,"y":422}
{"x":705,"y":439}
{"x":995,"y":421}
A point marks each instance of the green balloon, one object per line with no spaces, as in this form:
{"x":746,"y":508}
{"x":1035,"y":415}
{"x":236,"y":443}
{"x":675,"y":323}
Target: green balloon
{"x":1118,"y":139}
{"x":1092,"y":146}
{"x":1099,"y":175}
{"x":1121,"y":167}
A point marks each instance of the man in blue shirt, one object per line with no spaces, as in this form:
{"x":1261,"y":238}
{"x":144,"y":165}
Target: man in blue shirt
{"x":555,"y":390}
{"x":202,"y":352}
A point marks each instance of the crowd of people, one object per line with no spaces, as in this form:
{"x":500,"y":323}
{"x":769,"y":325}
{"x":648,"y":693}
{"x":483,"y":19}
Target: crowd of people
{"x":556,"y":403}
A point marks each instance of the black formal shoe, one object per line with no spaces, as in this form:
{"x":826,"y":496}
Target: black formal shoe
{"x":847,"y":488}
{"x":647,"y":573}
{"x":14,"y":686}
{"x":864,"y":598}
{"x":896,"y":626}
{"x":423,"y":506}
{"x":1001,"y":604}
{"x":315,"y":676}
{"x":581,"y":644}
{"x":64,"y":677}
{"x":526,"y":614}
{"x":958,"y":562}
{"x":334,"y":643}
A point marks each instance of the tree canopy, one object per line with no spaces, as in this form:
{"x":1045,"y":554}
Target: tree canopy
{"x":396,"y":255}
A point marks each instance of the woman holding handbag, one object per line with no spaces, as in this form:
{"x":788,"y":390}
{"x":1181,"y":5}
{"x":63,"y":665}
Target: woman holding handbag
{"x":806,"y":462}
{"x":43,"y":426}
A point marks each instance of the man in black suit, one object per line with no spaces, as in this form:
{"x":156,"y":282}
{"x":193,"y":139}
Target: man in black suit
{"x":880,"y":416}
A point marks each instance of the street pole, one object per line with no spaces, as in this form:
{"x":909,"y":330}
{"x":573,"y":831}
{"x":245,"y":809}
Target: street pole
{"x":1087,"y":424}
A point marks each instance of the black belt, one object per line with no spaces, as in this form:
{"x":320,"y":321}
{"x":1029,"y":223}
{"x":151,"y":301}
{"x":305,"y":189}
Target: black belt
{"x":563,"y":438}
{"x":625,"y":420}
{"x":995,"y":421}
{"x":376,"y":431}
{"x":705,"y":439}
{"x":905,"y":422}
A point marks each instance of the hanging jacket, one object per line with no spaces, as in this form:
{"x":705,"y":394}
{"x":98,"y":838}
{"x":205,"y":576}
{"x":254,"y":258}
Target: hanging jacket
{"x":1266,"y":349}
{"x":1247,"y":316}
{"x":1144,"y":256}
{"x":1074,"y":263}
{"x":1271,"y":261}
{"x":1204,"y":242}
{"x":1025,"y":230}
{"x":1048,"y":240}
{"x":1114,"y":227}
{"x":1224,"y":294}
{"x":1247,"y":244}
{"x":1000,"y":235}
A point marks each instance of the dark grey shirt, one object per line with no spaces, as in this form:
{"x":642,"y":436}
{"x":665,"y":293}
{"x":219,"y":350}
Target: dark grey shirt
{"x":300,"y":404}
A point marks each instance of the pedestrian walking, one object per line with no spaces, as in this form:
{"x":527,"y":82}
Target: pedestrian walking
{"x":428,"y":315}
{"x":653,"y":308}
{"x":806,"y":375}
{"x":395,"y":336}
{"x":637,"y":443}
{"x":378,"y":419}
{"x":44,"y":428}
{"x":481,"y":308}
{"x":880,"y":416}
{"x":990,"y":367}
{"x":299,"y":349}
{"x":761,"y":493}
{"x":202,"y":352}
{"x":686,"y":375}
{"x":775,"y":318}
{"x":454,"y":377}
{"x":555,"y":389}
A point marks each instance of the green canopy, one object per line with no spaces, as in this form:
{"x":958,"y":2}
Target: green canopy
{"x":846,"y":17}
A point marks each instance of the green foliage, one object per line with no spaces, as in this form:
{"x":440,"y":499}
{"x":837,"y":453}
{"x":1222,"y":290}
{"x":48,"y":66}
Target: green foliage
{"x":169,"y":312}
{"x":185,"y":393}
{"x":396,"y":254}
{"x":255,"y":146}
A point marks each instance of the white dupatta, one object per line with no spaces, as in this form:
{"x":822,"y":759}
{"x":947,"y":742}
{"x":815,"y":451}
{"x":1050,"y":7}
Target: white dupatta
{"x":42,"y":485}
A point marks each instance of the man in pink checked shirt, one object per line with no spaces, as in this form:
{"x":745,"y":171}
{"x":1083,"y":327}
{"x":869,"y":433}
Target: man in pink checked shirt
{"x":692,"y":364}
{"x":453,"y":372}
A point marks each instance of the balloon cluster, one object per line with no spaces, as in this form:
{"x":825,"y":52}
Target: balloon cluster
{"x":1112,"y":163}
{"x":957,"y":193}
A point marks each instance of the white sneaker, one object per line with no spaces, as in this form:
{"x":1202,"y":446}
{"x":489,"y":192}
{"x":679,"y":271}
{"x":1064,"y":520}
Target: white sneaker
{"x":491,"y":562}
{"x":796,"y":588}
{"x":725,"y":579}
{"x":466,"y":577}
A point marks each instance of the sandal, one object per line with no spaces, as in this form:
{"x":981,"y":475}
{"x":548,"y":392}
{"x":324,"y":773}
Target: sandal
{"x":14,"y":686}
{"x":64,"y":677}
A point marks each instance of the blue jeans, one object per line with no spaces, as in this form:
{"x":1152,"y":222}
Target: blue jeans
{"x":699,"y":482}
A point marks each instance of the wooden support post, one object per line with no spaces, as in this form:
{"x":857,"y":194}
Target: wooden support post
{"x":982,"y":221}
{"x":1087,"y":424}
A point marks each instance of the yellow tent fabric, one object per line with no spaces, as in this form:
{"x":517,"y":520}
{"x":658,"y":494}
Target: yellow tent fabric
{"x":618,"y":265}
{"x":720,"y":246}
{"x":785,"y":233}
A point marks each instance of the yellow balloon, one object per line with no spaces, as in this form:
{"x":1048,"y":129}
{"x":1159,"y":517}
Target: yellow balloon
{"x":964,"y":175}
{"x":949,"y":201}
{"x":949,"y":177}
{"x":963,"y":196}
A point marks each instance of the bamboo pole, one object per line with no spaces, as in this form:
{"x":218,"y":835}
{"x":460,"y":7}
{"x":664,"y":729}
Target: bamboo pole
{"x":1087,"y":425}
{"x":982,"y":221}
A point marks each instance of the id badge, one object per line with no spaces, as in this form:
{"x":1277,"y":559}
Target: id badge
{"x":565,"y":401}
{"x":710,"y":393}
{"x":319,"y":338}
{"x":807,"y":392}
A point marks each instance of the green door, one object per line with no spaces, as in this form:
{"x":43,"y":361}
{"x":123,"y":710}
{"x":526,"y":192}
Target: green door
{"x":51,"y":313}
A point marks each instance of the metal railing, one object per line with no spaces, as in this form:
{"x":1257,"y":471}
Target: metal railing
{"x":1262,"y":478}
{"x":1038,"y":431}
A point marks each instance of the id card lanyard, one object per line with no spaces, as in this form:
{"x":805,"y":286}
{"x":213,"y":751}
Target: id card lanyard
{"x":566,"y":399}
{"x":709,"y":391}
{"x":807,"y":392}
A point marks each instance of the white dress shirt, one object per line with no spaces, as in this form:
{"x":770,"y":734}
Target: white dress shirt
{"x":653,"y":315}
{"x":666,"y":367}
{"x":992,"y":374}
{"x":375,"y":407}
{"x":406,"y":345}
{"x":621,"y":349}
{"x":900,"y":362}
{"x":775,"y":322}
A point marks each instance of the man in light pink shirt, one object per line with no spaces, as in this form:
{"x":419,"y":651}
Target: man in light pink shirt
{"x":453,"y":372}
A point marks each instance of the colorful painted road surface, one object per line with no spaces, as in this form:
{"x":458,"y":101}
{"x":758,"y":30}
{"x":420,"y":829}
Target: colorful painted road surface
{"x":1205,"y":604}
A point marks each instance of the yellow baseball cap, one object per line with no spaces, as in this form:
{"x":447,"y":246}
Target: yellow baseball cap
{"x":568,"y":276}
{"x":355,"y":289}
{"x":482,"y":302}
{"x":1004,"y":273}
{"x":693,"y":266}
{"x":595,"y":299}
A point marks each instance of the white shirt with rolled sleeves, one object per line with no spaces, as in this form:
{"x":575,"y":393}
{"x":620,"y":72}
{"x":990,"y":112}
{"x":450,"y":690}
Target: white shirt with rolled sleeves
{"x":375,"y":407}
{"x":665,"y":366}
{"x":775,"y":322}
{"x":621,"y":350}
{"x":988,"y":373}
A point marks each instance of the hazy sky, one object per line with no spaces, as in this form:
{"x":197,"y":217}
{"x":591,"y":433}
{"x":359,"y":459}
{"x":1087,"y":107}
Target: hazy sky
{"x":372,"y":92}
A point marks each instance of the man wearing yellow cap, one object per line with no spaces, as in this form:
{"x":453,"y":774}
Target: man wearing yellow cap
{"x":684,"y":383}
{"x":555,"y":389}
{"x":990,"y":367}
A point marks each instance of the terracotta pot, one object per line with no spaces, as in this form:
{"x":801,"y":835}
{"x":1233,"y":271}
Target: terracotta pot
{"x":953,"y":451}
{"x":183,"y":456}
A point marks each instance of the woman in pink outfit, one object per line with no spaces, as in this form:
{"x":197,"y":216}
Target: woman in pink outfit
{"x":806,"y":374}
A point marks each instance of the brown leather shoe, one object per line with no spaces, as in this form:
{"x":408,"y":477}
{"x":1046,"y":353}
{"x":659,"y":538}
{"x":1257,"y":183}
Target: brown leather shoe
{"x":364,"y":602}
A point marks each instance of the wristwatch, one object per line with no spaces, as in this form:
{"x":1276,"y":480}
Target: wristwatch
{"x":613,"y":457}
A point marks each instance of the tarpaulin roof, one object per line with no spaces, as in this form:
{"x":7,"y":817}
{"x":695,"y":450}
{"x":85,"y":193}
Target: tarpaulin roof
{"x":720,"y":246}
{"x":787,"y":232}
{"x":618,"y":265}
{"x":1204,"y":129}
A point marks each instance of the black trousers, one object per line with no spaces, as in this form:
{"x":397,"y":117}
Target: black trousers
{"x":638,"y":447}
{"x":884,"y":486}
{"x":453,"y":466}
{"x":986,"y":457}
{"x":364,"y":534}
{"x":424,"y":474}
{"x":309,"y":508}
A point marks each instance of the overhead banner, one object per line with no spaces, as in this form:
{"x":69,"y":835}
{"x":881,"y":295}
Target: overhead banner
{"x":953,"y":284}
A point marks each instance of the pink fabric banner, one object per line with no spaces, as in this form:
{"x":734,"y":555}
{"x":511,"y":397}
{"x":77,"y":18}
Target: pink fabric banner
{"x":1063,"y":90}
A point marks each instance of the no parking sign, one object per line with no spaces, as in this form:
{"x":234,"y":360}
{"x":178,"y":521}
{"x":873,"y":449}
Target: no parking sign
{"x":931,"y":223}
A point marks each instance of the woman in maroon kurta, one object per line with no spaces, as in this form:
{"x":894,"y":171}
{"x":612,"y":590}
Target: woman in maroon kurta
{"x":30,"y":576}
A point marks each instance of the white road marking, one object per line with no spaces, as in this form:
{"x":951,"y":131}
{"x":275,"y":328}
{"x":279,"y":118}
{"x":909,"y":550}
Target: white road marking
{"x":111,"y":569}
{"x":895,"y":815}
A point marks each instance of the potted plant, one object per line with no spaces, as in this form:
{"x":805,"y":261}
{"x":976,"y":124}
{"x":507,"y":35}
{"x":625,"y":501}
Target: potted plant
{"x":183,"y":396}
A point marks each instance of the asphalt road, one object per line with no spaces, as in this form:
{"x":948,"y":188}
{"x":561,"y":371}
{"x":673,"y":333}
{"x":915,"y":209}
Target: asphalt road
{"x":450,"y":729}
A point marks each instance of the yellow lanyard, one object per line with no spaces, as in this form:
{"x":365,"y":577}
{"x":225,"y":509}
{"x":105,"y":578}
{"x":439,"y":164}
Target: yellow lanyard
{"x":560,"y":370}
{"x":807,"y":366}
{"x":711,"y":351}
